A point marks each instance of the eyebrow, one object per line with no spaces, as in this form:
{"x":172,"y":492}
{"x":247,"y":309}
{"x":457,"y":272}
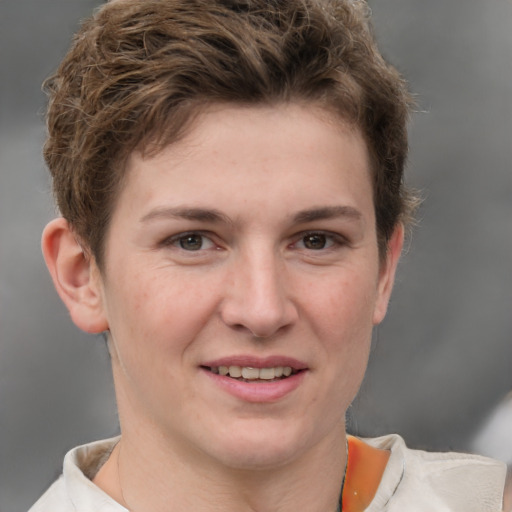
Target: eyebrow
{"x":215,"y":216}
{"x":198,"y":214}
{"x":327,"y":212}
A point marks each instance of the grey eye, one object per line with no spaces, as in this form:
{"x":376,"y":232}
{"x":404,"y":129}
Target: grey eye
{"x":192,"y":242}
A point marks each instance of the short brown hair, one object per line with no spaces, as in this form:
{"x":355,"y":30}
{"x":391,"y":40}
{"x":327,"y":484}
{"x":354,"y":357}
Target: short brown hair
{"x":138,"y":71}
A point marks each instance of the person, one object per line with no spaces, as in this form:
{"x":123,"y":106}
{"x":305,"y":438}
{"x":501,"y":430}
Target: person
{"x":230,"y":179}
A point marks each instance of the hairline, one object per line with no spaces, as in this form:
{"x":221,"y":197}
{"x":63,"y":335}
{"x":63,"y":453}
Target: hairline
{"x":156,"y":142}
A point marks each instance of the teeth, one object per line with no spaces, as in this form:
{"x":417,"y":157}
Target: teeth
{"x":235,"y":371}
{"x":250,"y":373}
{"x":267,"y":373}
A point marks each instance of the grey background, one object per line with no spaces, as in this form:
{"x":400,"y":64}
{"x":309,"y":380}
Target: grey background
{"x":443,"y":357}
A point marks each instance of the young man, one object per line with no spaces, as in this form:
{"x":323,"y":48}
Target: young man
{"x":230,"y":178}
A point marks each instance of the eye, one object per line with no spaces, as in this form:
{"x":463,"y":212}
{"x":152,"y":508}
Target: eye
{"x":316,"y":241}
{"x":191,"y":242}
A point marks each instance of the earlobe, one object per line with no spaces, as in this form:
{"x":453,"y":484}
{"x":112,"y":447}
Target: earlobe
{"x":387,"y":273}
{"x":75,"y":275}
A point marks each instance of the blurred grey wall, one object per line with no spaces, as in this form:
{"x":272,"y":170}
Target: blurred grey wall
{"x":443,"y":357}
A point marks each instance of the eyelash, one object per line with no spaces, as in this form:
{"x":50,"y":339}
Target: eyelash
{"x":177,"y":239}
{"x":332,"y":241}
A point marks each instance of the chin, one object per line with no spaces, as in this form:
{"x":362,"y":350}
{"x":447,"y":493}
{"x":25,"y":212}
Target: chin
{"x":260,"y":448}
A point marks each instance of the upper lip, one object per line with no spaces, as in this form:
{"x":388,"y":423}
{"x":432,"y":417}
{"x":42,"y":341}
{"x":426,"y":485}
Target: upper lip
{"x":257,"y":362}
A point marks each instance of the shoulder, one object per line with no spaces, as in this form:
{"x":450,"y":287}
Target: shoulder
{"x":420,"y":481}
{"x":74,"y":490}
{"x":55,"y":499}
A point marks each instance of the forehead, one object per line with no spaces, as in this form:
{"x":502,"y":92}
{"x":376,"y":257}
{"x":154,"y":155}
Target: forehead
{"x":233,"y":154}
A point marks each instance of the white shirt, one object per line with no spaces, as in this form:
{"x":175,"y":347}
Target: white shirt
{"x":413,"y":481}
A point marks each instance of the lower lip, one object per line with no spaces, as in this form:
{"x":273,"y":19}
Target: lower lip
{"x":259,"y":391}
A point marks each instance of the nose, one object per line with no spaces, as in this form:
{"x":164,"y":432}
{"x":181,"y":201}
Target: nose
{"x":258,"y":297}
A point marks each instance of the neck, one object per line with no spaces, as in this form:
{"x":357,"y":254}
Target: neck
{"x":151,"y":475}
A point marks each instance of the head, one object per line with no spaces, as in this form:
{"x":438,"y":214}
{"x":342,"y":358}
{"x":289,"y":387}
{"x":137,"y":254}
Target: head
{"x":231,"y":178}
{"x":139,"y":72}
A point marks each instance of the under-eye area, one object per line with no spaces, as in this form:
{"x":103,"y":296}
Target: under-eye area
{"x":251,"y":374}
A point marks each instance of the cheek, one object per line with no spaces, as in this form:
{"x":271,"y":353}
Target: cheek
{"x":158,"y":312}
{"x":342,"y":318}
{"x":343,"y":309}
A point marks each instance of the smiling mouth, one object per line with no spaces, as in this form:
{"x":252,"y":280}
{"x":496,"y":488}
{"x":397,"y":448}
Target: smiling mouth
{"x":251,"y":374}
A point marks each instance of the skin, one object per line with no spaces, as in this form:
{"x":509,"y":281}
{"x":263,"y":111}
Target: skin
{"x":252,"y":237}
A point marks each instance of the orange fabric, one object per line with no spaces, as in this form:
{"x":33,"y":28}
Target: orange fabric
{"x":365,"y":467}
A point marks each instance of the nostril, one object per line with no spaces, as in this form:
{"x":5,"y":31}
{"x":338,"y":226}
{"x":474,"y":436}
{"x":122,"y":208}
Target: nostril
{"x":254,"y":335}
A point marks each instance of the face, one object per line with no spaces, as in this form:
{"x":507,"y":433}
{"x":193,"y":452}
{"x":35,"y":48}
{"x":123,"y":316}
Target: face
{"x":241,"y":284}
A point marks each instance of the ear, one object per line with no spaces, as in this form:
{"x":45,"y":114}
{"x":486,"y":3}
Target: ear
{"x":387,"y":273}
{"x":75,"y":275}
